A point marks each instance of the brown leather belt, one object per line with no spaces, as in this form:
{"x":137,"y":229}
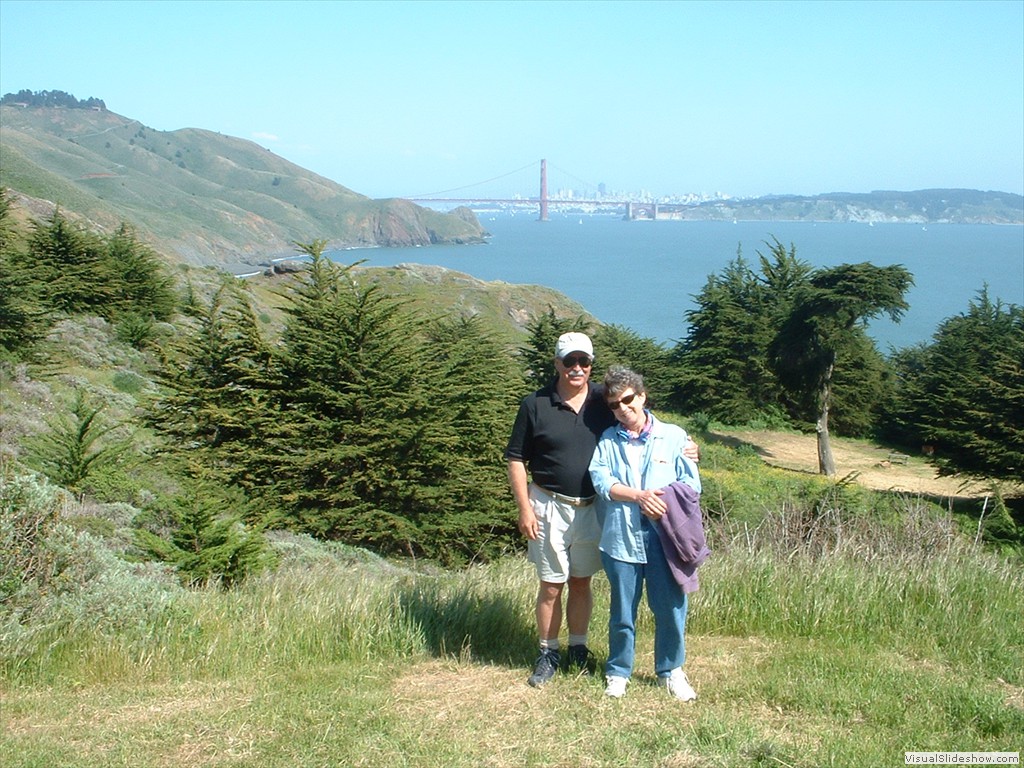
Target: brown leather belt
{"x":575,"y":501}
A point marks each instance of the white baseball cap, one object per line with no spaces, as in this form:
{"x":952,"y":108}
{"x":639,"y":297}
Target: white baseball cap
{"x":573,"y":342}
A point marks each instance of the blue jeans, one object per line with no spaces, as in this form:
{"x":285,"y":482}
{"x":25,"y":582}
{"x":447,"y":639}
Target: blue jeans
{"x":667,"y":602}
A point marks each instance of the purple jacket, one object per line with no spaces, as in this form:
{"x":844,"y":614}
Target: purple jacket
{"x":681,"y":531}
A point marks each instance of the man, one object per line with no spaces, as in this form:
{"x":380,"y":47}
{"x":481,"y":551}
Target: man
{"x":553,"y":439}
{"x":552,"y":442}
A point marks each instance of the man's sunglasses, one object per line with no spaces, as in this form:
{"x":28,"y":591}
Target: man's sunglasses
{"x":582,"y":361}
{"x":626,"y":400}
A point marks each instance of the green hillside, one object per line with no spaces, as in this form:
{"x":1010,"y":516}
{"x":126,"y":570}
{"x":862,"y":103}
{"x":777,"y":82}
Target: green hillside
{"x":924,"y":206}
{"x":201,"y":196}
{"x":504,"y":309}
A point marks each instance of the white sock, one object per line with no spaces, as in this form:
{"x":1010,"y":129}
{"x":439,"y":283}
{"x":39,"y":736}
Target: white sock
{"x":577,"y":640}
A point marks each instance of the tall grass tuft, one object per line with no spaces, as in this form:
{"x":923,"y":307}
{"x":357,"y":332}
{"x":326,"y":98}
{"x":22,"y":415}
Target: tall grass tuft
{"x":913,"y":585}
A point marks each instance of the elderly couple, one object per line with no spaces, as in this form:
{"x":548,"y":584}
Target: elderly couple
{"x":598,"y":480}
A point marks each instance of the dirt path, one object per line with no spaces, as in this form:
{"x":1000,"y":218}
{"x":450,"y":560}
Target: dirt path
{"x":876,"y":468}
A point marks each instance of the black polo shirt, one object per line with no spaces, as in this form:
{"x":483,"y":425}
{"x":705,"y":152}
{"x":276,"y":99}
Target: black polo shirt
{"x":555,"y":442}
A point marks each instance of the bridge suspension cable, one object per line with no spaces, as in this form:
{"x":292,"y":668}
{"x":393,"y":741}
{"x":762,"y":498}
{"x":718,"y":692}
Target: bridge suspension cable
{"x":589,"y":184}
{"x":476,"y":184}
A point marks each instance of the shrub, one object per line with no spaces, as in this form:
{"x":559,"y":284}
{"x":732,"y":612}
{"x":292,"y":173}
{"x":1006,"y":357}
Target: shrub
{"x":128,"y":382}
{"x":205,"y":545}
{"x":56,"y":583}
{"x":29,"y":509}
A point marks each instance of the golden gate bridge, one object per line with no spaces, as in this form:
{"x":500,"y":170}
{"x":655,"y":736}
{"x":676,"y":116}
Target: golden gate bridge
{"x":631,"y":209}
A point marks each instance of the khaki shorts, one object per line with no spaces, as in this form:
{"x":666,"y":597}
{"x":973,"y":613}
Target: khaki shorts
{"x":567,"y":539}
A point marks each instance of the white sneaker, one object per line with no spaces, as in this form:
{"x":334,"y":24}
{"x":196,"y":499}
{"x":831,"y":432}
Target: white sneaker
{"x":616,"y":687}
{"x":678,"y":685}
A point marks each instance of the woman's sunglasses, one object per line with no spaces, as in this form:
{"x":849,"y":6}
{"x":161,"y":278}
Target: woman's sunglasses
{"x":624,"y":400}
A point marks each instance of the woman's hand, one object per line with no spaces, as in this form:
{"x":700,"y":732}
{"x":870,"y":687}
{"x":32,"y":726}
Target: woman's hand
{"x":651,"y":504}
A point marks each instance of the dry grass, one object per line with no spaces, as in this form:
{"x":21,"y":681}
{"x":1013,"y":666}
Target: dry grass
{"x":93,"y":725}
{"x":870,"y":463}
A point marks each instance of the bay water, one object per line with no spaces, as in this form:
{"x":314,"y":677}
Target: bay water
{"x":643,"y":275}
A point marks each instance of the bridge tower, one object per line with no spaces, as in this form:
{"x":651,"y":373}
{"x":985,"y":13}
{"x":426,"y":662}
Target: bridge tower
{"x":543,"y":190}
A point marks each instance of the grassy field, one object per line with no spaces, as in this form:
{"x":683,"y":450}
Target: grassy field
{"x":845,"y":653}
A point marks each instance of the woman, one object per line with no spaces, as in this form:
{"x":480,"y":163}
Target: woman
{"x":633,"y":463}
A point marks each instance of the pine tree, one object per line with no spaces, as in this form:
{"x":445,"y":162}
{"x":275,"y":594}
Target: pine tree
{"x":966,"y":396}
{"x":354,"y":409}
{"x":72,"y":266}
{"x":24,"y":320}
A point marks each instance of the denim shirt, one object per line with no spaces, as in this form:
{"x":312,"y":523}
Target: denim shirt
{"x":662,"y":462}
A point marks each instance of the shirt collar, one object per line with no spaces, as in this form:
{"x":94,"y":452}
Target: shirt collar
{"x":643,"y":434}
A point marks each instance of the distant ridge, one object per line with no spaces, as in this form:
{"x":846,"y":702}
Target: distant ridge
{"x":926,"y":206}
{"x":196,"y":195}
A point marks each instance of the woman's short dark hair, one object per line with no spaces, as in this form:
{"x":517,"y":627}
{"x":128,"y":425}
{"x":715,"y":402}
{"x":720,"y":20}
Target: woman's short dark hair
{"x":618,"y":379}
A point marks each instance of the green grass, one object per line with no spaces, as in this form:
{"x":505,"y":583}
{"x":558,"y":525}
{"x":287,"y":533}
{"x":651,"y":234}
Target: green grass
{"x":834,"y":626}
{"x":801,"y":658}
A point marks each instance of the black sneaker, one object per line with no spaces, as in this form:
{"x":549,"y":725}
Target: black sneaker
{"x":547,"y":665}
{"x":581,"y":659}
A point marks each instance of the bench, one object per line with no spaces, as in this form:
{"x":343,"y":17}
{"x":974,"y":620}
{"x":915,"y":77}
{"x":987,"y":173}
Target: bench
{"x":898,"y":458}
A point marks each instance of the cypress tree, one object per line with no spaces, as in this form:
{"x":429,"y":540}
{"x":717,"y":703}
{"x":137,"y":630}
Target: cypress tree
{"x":141,"y":285}
{"x":825,"y":317}
{"x":353,"y":411}
{"x":77,"y":444}
{"x":727,"y":367}
{"x":862,"y":384}
{"x":615,"y":345}
{"x":221,"y":382}
{"x":968,"y":395}
{"x":537,"y":354}
{"x":722,"y":363}
{"x":24,"y":320}
{"x":206,"y":544}
{"x":72,"y":266}
{"x":467,"y":511}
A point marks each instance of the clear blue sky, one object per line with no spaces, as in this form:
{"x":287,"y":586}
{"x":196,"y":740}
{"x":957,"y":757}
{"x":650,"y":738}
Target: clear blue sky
{"x":747,"y":98}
